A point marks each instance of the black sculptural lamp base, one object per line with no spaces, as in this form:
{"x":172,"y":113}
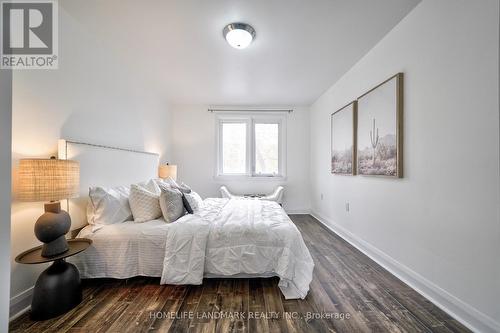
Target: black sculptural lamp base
{"x":55,"y":247}
{"x":51,"y":228}
{"x":57,"y":290}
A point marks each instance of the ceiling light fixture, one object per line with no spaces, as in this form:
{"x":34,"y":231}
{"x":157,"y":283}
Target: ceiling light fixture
{"x":238,"y":35}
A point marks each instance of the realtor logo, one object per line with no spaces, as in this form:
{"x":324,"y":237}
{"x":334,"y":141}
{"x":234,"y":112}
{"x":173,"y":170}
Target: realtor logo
{"x":29,"y":34}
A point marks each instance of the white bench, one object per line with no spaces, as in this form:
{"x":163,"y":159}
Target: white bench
{"x":276,"y":196}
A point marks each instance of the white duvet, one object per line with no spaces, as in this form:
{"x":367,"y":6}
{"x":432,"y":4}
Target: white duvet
{"x":238,"y":237}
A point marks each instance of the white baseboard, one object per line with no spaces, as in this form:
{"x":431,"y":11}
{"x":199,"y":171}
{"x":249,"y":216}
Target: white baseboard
{"x":461,"y":311}
{"x":298,"y":211}
{"x":20,"y":303}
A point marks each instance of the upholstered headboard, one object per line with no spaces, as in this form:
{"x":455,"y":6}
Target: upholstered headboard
{"x":107,"y":167}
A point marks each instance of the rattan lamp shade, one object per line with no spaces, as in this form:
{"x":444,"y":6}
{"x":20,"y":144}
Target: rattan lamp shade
{"x":167,"y":170}
{"x":48,"y":179}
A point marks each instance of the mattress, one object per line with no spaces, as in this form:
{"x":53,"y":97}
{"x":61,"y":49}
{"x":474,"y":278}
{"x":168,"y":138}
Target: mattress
{"x":129,"y":249}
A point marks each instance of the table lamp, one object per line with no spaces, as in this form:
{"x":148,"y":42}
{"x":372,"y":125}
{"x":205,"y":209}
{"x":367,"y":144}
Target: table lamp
{"x":50,"y":180}
{"x":166,"y":170}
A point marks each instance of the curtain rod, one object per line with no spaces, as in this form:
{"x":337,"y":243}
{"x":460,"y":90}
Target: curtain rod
{"x":251,"y":110}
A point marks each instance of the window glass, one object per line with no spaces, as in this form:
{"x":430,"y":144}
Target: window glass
{"x":234,"y":148}
{"x":266,"y":149}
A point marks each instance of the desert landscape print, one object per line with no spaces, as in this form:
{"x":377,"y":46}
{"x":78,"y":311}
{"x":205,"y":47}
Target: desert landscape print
{"x":343,"y":127}
{"x":377,"y":144}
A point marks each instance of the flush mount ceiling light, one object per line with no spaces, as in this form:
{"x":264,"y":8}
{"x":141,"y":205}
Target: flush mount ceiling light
{"x":239,"y":35}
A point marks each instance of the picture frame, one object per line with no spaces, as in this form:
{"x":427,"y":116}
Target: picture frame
{"x":343,"y":140}
{"x":379,"y":143}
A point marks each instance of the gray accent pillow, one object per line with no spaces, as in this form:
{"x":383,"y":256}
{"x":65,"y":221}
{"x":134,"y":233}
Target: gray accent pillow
{"x":170,"y":183}
{"x":171,"y":204}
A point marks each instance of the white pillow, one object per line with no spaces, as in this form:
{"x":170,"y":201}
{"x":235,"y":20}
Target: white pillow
{"x":144,"y":202}
{"x":194,"y":200}
{"x":108,"y":206}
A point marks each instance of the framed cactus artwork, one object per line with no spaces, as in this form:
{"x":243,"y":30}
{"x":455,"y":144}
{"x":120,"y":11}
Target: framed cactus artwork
{"x":380,"y":129}
{"x":343,"y":140}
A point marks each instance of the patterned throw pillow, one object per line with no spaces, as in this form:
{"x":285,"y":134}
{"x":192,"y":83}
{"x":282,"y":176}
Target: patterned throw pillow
{"x":194,"y":201}
{"x":171,"y":183}
{"x":144,"y":203}
{"x":163,"y":185}
{"x":184,"y":188}
{"x":171,"y":204}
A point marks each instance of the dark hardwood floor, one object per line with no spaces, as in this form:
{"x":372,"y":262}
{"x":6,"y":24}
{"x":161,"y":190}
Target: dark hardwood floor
{"x":357,"y":294}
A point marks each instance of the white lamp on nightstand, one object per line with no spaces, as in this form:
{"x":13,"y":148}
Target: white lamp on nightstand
{"x":167,"y":171}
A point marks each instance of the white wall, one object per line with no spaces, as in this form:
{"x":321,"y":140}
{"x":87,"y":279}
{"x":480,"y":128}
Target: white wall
{"x":441,"y":222}
{"x":5,"y":184}
{"x":193,"y":143}
{"x":92,"y":97}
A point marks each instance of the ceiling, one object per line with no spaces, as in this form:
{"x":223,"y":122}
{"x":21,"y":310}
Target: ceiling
{"x":302,"y":47}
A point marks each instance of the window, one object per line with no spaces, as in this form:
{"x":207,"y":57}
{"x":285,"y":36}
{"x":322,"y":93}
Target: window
{"x":251,"y":145}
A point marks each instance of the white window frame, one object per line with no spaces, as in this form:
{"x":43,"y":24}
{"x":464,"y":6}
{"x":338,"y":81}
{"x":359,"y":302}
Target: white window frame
{"x":250,"y":119}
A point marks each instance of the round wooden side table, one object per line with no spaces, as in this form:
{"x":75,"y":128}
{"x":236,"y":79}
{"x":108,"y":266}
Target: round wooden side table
{"x":58,"y":288}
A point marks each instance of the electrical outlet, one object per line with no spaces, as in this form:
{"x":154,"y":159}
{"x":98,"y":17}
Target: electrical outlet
{"x":347,"y":208}
{"x":321,"y":196}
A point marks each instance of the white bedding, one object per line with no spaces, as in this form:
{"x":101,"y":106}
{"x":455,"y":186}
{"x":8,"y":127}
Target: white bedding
{"x":225,"y":238}
{"x":123,"y":250}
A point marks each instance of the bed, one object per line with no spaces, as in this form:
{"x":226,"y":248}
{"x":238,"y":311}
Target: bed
{"x":224,"y":238}
{"x":244,"y":238}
